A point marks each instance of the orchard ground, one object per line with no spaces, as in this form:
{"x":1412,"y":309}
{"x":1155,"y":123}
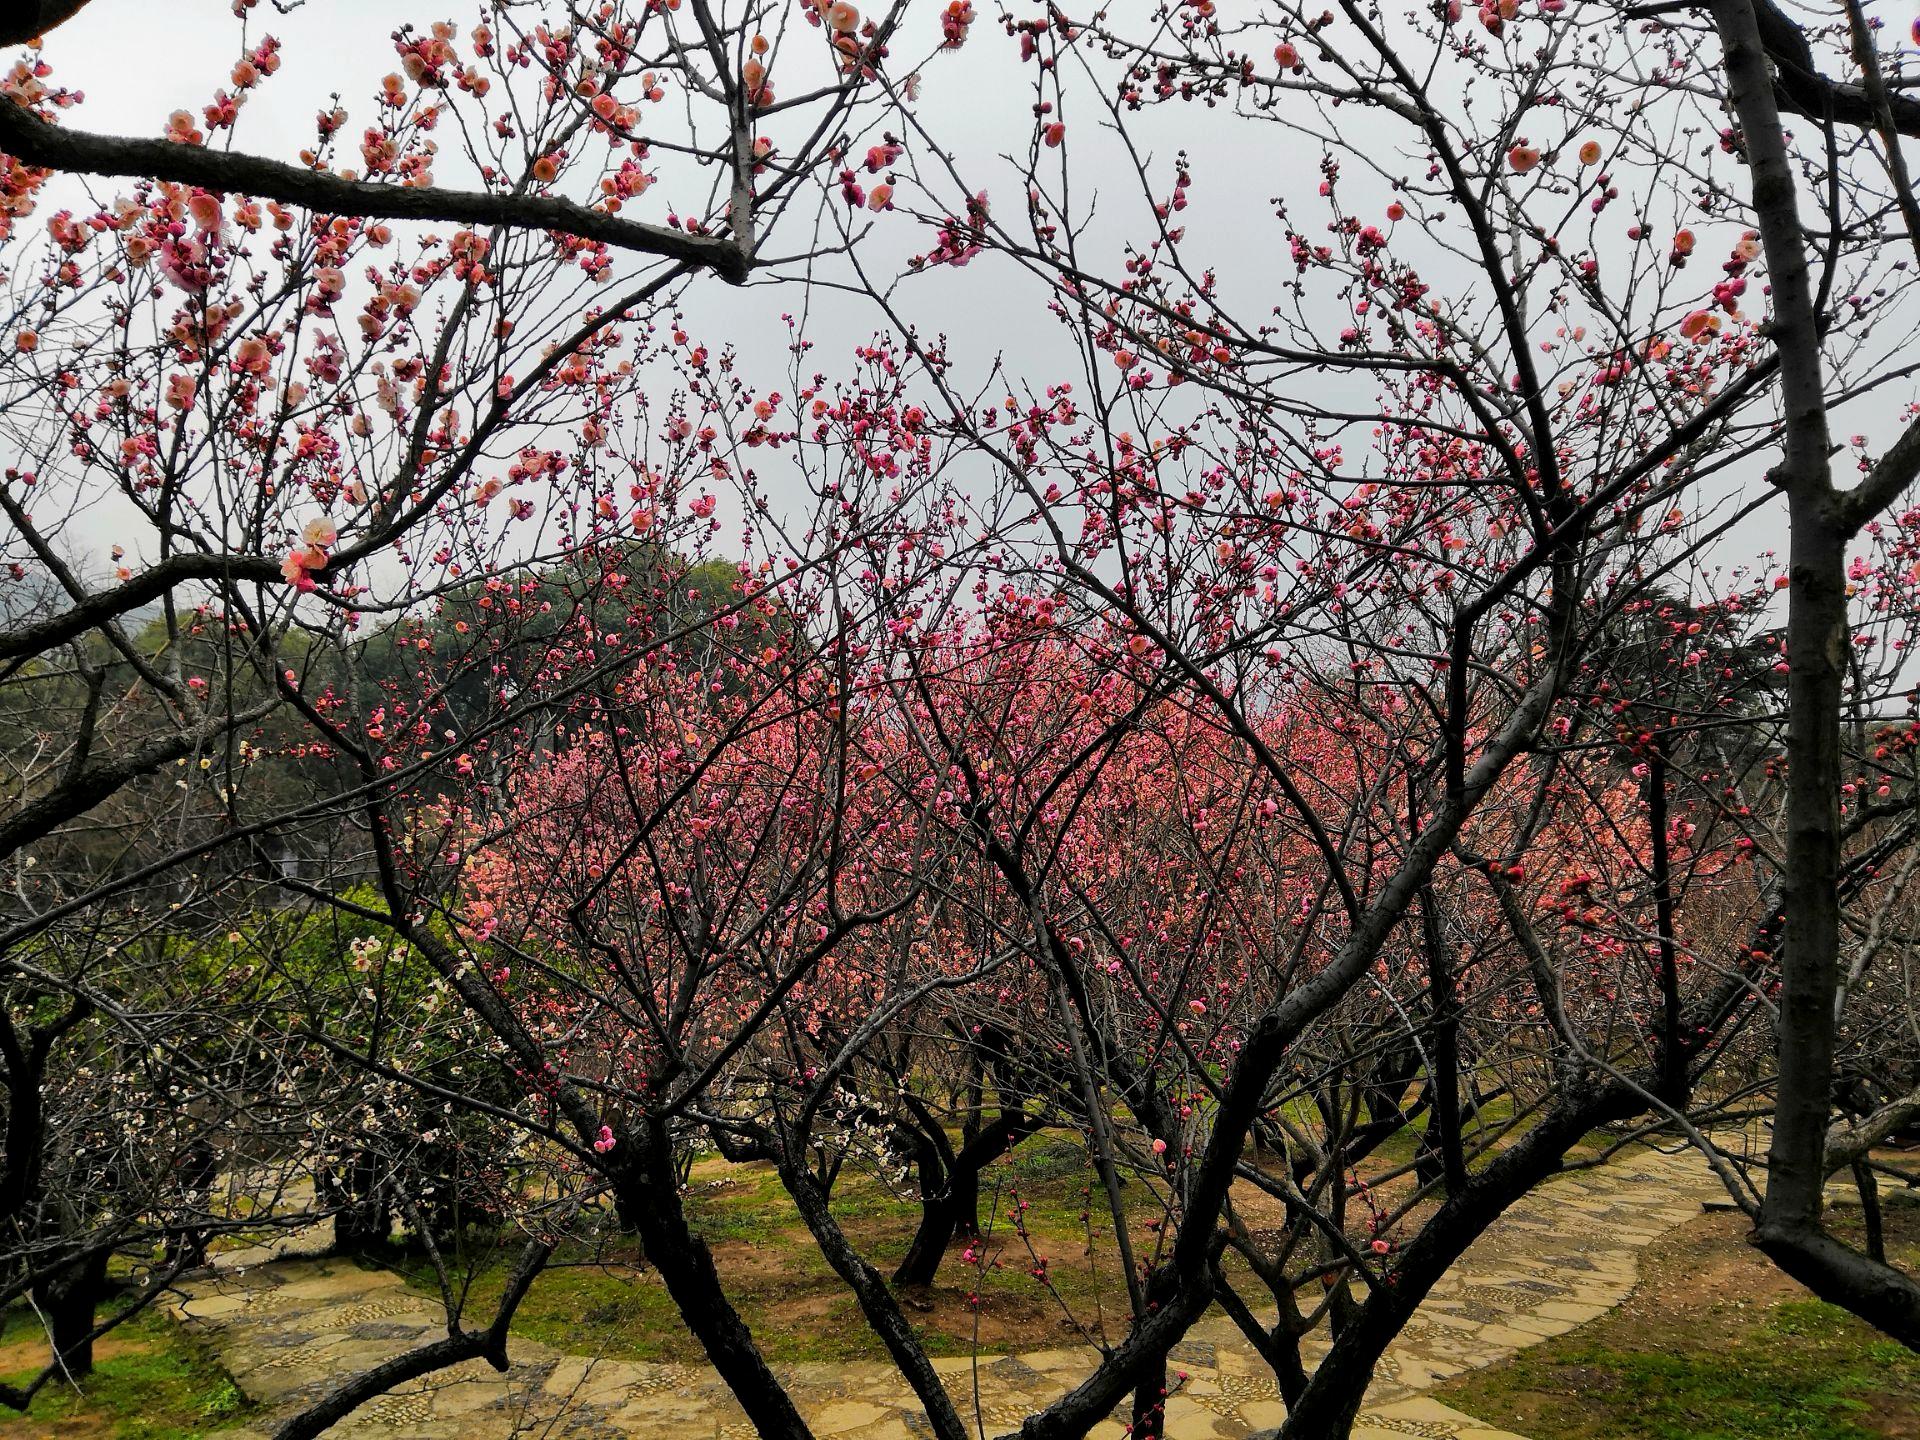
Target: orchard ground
{"x":1657,"y":1366}
{"x":1713,"y":1344}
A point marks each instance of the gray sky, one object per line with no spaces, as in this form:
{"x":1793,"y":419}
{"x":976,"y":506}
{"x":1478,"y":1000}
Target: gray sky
{"x":137,"y":62}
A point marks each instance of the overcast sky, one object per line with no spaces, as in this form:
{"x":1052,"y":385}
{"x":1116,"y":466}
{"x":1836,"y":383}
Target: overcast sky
{"x":138,"y":61}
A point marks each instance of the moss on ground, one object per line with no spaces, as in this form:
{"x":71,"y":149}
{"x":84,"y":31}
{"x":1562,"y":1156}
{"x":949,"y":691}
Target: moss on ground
{"x":151,"y":1381}
{"x":606,"y":1301}
{"x":1715,"y":1344}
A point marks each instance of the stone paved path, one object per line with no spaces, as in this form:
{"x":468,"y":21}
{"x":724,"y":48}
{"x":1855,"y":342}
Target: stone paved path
{"x":289,"y":1329}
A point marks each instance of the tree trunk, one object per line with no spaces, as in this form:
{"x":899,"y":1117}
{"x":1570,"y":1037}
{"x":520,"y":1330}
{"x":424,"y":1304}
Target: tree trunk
{"x":1150,"y":1401}
{"x":939,"y":1219}
{"x":965,"y":1204}
{"x":876,"y":1303}
{"x":934,"y":1177}
{"x":1327,"y":1408}
{"x":66,"y":1299}
{"x":363,"y":1221}
{"x":950,"y":1194}
{"x":647,"y":1195}
{"x":1870,"y":1211}
{"x":1822,"y":520}
{"x":1816,"y":650}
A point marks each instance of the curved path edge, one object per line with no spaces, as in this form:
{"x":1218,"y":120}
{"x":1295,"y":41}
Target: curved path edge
{"x":290,"y":1329}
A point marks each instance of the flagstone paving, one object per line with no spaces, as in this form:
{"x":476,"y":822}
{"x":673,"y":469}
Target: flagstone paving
{"x":289,"y":1329}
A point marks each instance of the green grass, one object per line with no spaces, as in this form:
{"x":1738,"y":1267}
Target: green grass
{"x":152,"y":1382}
{"x":607,"y":1303}
{"x":614,"y":1309}
{"x":1813,"y":1391}
{"x":1056,"y":1158}
{"x":1727,"y":1349}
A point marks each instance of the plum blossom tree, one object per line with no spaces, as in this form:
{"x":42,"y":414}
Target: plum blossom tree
{"x":1325,"y":691}
{"x":267,"y":416}
{"x":1824,"y":804}
{"x":1520,"y":456}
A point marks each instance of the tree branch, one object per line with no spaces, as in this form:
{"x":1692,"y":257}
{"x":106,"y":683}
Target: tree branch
{"x":24,"y":20}
{"x":489,"y":1344}
{"x":27,"y":137}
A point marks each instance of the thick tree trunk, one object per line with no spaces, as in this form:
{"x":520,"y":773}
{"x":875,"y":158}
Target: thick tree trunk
{"x":876,"y":1303}
{"x":1150,"y":1401}
{"x":950,"y":1194}
{"x":23,"y":1145}
{"x":363,"y":1221}
{"x":965,"y":1204}
{"x":1869,"y":1189}
{"x":934,"y":1176}
{"x":1141,"y":1354}
{"x":1816,"y":650}
{"x":1822,"y":520}
{"x":647,"y":1196}
{"x":939,"y":1221}
{"x":198,"y":1167}
{"x":66,"y":1299}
